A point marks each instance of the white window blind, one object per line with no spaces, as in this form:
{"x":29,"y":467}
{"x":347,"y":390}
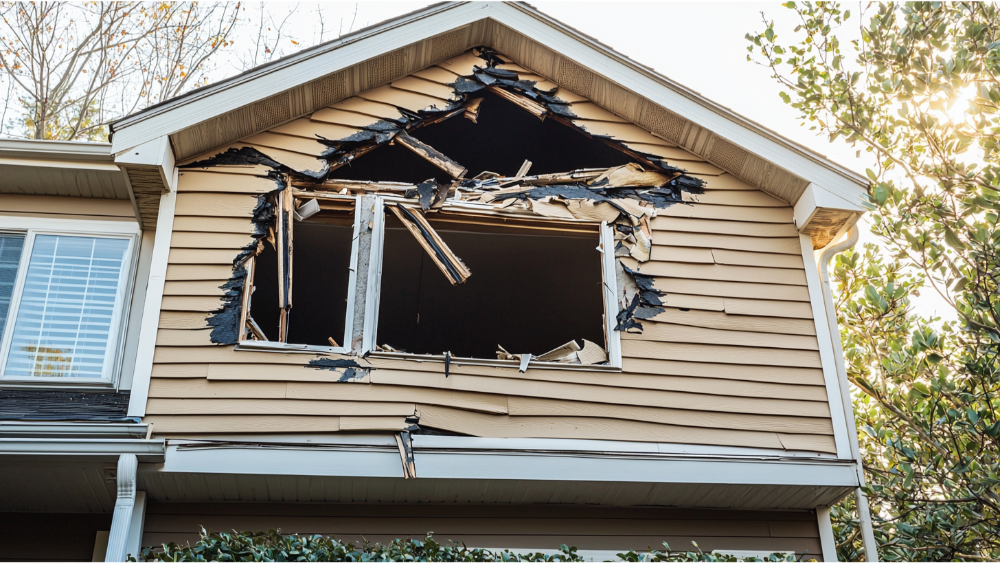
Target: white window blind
{"x":10,"y":257}
{"x":66,"y":316}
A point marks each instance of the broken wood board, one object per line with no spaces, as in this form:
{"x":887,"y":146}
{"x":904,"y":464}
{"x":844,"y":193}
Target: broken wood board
{"x":812,"y":389}
{"x":531,"y":406}
{"x":601,"y":394}
{"x":493,"y":426}
{"x":450,"y":265}
{"x":430,"y":154}
{"x":722,"y":321}
{"x":534,"y":108}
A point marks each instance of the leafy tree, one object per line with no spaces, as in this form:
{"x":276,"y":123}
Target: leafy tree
{"x":72,"y":67}
{"x":916,"y":85}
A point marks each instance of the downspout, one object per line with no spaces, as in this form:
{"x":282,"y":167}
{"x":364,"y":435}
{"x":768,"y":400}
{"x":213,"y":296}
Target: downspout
{"x":864,"y":514}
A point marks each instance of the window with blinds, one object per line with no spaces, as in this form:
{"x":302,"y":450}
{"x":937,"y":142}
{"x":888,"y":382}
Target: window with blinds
{"x":65,"y":307}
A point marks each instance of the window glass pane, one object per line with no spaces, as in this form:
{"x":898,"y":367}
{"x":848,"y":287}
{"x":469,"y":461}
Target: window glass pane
{"x":10,"y":257}
{"x":64,"y":320}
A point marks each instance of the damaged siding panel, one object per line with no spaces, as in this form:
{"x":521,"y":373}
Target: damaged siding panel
{"x":703,"y":385}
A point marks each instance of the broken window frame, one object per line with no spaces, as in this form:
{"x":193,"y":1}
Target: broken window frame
{"x":608,"y":270}
{"x":245,"y":343}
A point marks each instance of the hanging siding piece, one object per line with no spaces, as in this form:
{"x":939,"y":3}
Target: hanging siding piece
{"x":450,"y":265}
{"x":472,"y":110}
{"x":430,"y":154}
{"x":405,"y":444}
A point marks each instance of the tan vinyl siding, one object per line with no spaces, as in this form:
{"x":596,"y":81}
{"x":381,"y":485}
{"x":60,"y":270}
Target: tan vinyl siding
{"x":517,"y":527}
{"x":732,"y":361}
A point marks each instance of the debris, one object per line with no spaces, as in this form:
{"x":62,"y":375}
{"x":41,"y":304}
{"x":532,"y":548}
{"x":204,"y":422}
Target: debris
{"x":472,"y":108}
{"x":523,"y":171}
{"x":306,"y":210}
{"x":534,"y":108}
{"x":333,"y":342}
{"x":352,"y":371}
{"x":258,"y":334}
{"x":431,"y":155}
{"x":284,"y":228}
{"x":405,"y":444}
{"x":570,"y":353}
{"x":415,"y":222}
{"x":525,"y":359}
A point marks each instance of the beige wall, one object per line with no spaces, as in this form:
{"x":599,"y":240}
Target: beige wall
{"x":732,"y":361}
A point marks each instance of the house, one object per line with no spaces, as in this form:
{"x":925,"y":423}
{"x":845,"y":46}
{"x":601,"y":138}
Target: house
{"x":466,"y":271}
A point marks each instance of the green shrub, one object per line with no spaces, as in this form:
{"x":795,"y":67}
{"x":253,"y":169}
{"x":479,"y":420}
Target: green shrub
{"x":275,"y":546}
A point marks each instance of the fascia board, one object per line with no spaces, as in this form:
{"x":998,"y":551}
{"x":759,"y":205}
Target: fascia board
{"x":310,"y":460}
{"x":677,"y":98}
{"x":535,"y":467}
{"x":30,"y":148}
{"x":270,"y":80}
{"x":63,"y":164}
{"x":146,"y":450}
{"x":156,"y":153}
{"x":18,"y":429}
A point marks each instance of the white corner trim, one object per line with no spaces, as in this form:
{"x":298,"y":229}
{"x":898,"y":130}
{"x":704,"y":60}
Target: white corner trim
{"x":826,"y":539}
{"x":826,"y":351}
{"x":156,"y":153}
{"x":151,"y":309}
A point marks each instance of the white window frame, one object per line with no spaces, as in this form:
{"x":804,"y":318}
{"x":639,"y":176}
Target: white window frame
{"x":608,"y":268}
{"x":345,"y":343}
{"x":30,"y":227}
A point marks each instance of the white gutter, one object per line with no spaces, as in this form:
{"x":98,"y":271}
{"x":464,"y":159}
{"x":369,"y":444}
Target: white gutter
{"x":76,"y":430}
{"x":146,"y":450}
{"x":864,"y":513}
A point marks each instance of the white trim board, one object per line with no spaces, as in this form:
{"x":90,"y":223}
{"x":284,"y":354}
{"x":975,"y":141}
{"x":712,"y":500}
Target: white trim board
{"x":826,"y":351}
{"x":269,"y":80}
{"x":151,"y":308}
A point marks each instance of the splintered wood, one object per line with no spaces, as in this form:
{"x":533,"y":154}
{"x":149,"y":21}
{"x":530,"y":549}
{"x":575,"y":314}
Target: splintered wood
{"x":286,"y":207}
{"x":431,"y":155}
{"x":450,"y":265}
{"x":570,"y":353}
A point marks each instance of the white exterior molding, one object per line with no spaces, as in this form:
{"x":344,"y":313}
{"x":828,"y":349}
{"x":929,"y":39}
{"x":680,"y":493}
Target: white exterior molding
{"x":151,"y":309}
{"x":134,"y":543}
{"x":121,"y":522}
{"x":156,"y":153}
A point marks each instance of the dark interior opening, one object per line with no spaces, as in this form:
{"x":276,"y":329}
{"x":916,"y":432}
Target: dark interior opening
{"x":504,"y":137}
{"x":320,"y":281}
{"x":530,"y":291}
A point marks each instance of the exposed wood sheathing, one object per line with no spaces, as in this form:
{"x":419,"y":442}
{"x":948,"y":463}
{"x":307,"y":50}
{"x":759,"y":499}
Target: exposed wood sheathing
{"x":526,"y":527}
{"x":730,"y":360}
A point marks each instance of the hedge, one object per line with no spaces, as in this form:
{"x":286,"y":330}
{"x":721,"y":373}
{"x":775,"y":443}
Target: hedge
{"x":272,"y":545}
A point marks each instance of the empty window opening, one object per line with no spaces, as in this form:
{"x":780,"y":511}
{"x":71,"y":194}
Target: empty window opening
{"x":534,"y":287}
{"x":321,"y":281}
